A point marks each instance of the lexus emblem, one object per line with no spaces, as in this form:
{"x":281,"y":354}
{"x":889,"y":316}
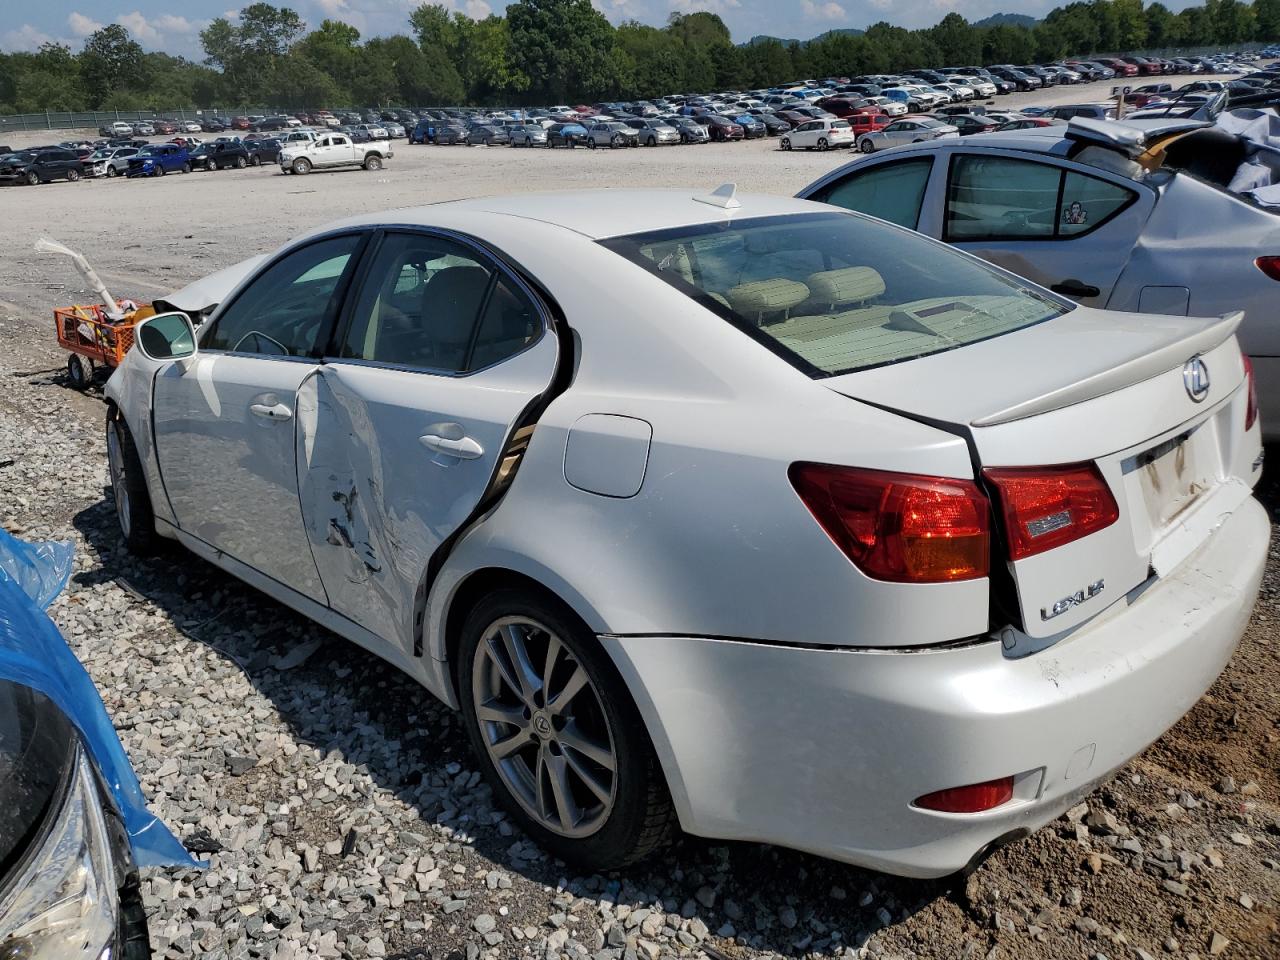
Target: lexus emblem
{"x":1195,"y":377}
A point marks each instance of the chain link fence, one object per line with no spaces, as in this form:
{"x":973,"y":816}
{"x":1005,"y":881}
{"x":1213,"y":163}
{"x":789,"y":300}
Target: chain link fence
{"x":93,"y":119}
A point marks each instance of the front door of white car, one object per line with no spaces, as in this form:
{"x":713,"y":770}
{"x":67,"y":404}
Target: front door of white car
{"x":225,"y":425}
{"x":407,"y":424}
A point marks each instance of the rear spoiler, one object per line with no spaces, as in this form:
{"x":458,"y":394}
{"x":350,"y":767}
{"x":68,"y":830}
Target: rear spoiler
{"x":1138,"y":368}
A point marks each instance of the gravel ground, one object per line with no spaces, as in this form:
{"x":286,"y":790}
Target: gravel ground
{"x":337,"y":802}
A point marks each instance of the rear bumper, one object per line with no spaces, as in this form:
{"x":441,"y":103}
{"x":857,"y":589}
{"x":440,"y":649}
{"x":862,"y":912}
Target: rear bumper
{"x":825,"y":751}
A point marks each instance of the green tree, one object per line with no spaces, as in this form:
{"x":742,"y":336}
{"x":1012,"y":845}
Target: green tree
{"x":655,"y":59}
{"x":111,"y":60}
{"x":1163,"y":28}
{"x":333,"y":49}
{"x":483,"y":57}
{"x":434,"y":27}
{"x":249,"y":53}
{"x":1266,"y":13}
{"x":1131,"y":24}
{"x":564,"y":47}
{"x":957,"y":42}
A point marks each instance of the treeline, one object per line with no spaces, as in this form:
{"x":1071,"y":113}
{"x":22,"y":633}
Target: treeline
{"x":563,"y":51}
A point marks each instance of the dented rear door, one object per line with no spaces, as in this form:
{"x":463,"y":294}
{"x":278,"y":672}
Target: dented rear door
{"x":413,"y":420}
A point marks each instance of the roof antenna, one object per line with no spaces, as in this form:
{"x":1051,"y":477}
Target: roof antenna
{"x":725,"y":196}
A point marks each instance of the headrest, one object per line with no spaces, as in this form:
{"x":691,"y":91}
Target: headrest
{"x":848,"y":285}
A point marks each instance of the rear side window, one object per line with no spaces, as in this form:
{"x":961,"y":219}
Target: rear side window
{"x":890,"y":191}
{"x":1004,"y":198}
{"x":434,"y":304}
{"x":833,"y":292}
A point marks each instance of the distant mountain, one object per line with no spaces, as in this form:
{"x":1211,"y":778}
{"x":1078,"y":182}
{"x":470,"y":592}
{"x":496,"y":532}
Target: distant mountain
{"x":1007,"y":20}
{"x":765,"y":38}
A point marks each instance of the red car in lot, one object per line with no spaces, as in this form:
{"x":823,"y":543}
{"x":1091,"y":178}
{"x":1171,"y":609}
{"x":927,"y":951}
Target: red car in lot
{"x":240,"y":123}
{"x":1147,"y":68}
{"x":868,"y":122}
{"x":1121,"y":67}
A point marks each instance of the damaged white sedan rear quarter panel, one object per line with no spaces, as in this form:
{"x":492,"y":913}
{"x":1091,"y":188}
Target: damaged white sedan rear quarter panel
{"x":633,"y":459}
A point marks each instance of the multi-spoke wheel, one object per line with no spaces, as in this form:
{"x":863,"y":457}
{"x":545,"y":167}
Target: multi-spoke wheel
{"x":557,"y":734}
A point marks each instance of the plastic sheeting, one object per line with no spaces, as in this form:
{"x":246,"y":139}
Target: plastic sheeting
{"x":33,"y":653}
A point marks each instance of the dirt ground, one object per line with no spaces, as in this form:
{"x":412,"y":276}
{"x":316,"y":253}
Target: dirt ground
{"x":1189,"y":866}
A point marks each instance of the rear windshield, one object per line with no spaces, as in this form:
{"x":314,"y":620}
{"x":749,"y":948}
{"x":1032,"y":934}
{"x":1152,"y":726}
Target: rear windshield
{"x":833,"y":292}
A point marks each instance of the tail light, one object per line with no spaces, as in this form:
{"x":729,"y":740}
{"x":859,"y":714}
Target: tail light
{"x":973,"y":798}
{"x":900,"y":527}
{"x":1270,"y":266}
{"x":1045,"y":507}
{"x":1251,"y":406}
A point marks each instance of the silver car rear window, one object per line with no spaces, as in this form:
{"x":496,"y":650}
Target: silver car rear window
{"x":834,"y":293}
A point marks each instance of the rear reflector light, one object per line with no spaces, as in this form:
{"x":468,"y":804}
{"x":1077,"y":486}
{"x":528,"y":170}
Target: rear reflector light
{"x":1251,"y":405}
{"x":1270,"y":266}
{"x":974,"y":798}
{"x":897,"y":526}
{"x":1045,"y":507}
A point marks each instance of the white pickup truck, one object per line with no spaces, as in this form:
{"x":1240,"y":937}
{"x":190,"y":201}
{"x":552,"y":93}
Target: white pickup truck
{"x":332,"y":150}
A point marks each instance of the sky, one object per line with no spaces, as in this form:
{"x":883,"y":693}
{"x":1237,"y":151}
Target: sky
{"x":175,"y":27}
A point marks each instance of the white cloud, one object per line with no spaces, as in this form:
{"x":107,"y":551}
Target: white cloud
{"x":815,"y":10}
{"x":477,"y":9}
{"x":25,"y":37}
{"x":138,"y":25}
{"x":708,"y":6}
{"x":81,"y":25}
{"x":169,"y":23}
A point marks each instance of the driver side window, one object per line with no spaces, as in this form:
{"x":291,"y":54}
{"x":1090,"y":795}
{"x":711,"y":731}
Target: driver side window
{"x":283,"y":312}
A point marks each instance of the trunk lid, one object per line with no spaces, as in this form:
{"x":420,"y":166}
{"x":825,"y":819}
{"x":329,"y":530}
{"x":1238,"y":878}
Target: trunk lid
{"x":1091,"y":387}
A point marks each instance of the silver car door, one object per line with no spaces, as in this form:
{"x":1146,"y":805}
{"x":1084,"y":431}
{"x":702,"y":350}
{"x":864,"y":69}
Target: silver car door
{"x":413,"y":418}
{"x":225,"y":427}
{"x":1066,"y":226}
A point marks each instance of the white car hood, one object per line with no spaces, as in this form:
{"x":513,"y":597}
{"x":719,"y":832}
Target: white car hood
{"x":208,"y":292}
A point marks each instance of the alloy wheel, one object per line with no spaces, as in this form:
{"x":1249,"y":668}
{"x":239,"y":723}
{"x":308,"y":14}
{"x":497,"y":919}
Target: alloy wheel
{"x":543,"y":724}
{"x":119,"y":489}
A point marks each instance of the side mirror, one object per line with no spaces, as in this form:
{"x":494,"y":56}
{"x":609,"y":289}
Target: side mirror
{"x":166,"y":336}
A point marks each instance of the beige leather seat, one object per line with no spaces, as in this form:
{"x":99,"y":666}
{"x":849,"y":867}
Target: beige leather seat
{"x":845,"y":287}
{"x":762,"y":297}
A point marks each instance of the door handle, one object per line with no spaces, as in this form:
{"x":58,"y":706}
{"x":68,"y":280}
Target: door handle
{"x":1075,"y":288}
{"x":463,"y":448}
{"x":271,"y":411}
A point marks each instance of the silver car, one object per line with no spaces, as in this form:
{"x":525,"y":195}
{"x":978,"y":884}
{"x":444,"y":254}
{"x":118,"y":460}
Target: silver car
{"x":906,"y":130}
{"x":528,"y":135}
{"x":109,"y":161}
{"x":1067,"y":207}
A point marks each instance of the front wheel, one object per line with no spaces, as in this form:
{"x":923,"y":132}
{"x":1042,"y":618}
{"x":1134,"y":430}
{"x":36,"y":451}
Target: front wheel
{"x":822,"y":144}
{"x":73,"y":175}
{"x":255,"y":160}
{"x":785,"y":143}
{"x":556,"y":733}
{"x":129,"y":488}
{"x":161,"y":171}
{"x":186,"y":167}
{"x":866,"y":146}
{"x":301,"y":166}
{"x":616,"y":142}
{"x":33,"y":178}
{"x":112,"y":172}
{"x":591,"y":144}
{"x":373,"y":163}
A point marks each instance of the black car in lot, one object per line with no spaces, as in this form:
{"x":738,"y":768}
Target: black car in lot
{"x":219,"y":155}
{"x":265,"y":150}
{"x":40,"y":165}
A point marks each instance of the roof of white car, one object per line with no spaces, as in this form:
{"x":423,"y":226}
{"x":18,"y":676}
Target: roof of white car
{"x":605,"y":213}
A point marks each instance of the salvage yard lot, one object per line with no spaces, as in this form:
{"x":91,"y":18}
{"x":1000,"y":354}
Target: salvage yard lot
{"x":343,"y":800}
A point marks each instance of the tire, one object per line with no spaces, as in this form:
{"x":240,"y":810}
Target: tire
{"x":129,"y":488}
{"x":112,"y":173}
{"x":822,"y":144}
{"x":651,"y":142}
{"x":241,"y":163}
{"x":79,"y":372}
{"x":636,"y":818}
{"x":301,"y":166}
{"x":373,"y":163}
{"x":591,"y":143}
{"x":33,"y":178}
{"x":73,"y":175}
{"x":255,"y":160}
{"x":186,"y":167}
{"x":785,"y":143}
{"x":616,"y":142}
{"x":160,"y":170}
{"x":866,"y":146}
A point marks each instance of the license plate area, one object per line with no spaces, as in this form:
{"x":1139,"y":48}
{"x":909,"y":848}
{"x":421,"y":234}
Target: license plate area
{"x":1174,"y":474}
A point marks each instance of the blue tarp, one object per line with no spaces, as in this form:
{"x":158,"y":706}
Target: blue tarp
{"x":33,"y":653}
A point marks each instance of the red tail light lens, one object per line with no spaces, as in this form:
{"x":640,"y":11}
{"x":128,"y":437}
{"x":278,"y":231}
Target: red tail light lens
{"x":974,"y":798}
{"x":1045,"y":507}
{"x":897,"y":526}
{"x":1251,"y":407}
{"x":1270,"y":266}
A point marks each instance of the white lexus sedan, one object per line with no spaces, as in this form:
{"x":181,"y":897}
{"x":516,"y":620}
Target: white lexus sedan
{"x":739,"y":513}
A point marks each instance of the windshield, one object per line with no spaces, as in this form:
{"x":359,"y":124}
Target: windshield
{"x":147,"y":152}
{"x":834,"y":293}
